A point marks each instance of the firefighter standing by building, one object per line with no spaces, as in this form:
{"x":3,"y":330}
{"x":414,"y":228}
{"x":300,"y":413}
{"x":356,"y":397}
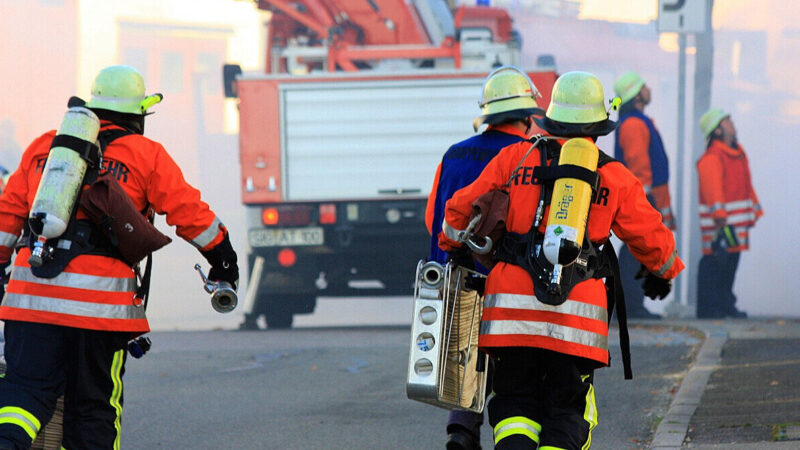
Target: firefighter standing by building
{"x":508,"y":102}
{"x":638,"y":145}
{"x":729,"y":207}
{"x":545,"y":354}
{"x":68,"y":334}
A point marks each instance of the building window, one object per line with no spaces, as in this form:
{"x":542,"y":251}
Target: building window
{"x":209,"y":65}
{"x":172,"y":72}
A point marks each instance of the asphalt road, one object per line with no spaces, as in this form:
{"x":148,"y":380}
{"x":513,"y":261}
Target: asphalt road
{"x":344,"y":388}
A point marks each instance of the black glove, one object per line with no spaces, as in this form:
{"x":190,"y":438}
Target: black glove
{"x":223,"y":263}
{"x":462,"y":257}
{"x":654,"y":286}
{"x":4,"y":278}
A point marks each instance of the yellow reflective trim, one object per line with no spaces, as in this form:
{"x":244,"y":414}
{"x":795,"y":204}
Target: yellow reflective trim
{"x":517,"y":425}
{"x":21,"y":418}
{"x":511,"y":431}
{"x":550,"y":447}
{"x":116,"y":393}
{"x":20,"y":423}
{"x":590,"y":414}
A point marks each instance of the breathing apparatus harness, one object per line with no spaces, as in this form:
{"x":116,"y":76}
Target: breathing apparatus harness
{"x":525,"y":250}
{"x":83,"y":237}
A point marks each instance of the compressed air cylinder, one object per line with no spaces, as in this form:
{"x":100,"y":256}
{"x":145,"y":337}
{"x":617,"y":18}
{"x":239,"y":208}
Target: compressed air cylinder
{"x":63,"y":176}
{"x":569,"y":205}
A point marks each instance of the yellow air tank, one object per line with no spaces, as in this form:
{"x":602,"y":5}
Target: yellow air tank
{"x":62,"y":179}
{"x":569,"y":205}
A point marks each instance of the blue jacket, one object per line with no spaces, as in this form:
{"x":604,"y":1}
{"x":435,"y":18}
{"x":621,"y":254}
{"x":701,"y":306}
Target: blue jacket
{"x":460,"y":166}
{"x":659,"y":166}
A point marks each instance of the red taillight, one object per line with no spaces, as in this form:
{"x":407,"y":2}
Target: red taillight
{"x":291,"y":215}
{"x":327,"y":213}
{"x":269,"y":216}
{"x":287,"y":257}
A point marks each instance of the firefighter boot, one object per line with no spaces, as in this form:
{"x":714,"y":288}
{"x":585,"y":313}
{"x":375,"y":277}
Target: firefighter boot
{"x":459,"y":438}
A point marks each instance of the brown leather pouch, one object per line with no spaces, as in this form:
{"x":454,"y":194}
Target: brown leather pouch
{"x":493,"y":210}
{"x":107,"y":205}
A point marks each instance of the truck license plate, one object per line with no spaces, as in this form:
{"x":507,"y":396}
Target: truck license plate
{"x":286,"y":236}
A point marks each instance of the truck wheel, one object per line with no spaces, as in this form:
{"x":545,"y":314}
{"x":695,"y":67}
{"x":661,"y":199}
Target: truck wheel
{"x":279,"y":319}
{"x":249,"y":322}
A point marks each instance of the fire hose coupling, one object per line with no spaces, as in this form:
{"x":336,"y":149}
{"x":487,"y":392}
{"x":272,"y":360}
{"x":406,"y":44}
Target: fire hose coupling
{"x":223,"y":296}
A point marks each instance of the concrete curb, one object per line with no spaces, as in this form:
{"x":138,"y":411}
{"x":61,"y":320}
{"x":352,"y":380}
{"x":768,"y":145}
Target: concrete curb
{"x":672,"y":430}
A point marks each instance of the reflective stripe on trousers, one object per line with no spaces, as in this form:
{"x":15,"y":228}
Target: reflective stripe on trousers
{"x":518,"y":425}
{"x":21,"y":418}
{"x":116,"y":393}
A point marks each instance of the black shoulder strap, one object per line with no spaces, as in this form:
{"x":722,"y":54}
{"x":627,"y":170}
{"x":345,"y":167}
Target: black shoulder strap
{"x":604,"y":159}
{"x":105,"y":138}
{"x":616,"y":297}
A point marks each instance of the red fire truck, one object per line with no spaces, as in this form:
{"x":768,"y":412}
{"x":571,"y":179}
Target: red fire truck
{"x":341,"y":135}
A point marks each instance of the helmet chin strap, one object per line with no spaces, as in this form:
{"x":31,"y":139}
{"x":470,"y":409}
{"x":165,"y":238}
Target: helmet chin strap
{"x":132,"y":122}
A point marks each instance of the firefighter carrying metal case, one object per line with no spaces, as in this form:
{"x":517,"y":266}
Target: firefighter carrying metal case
{"x":445,"y":367}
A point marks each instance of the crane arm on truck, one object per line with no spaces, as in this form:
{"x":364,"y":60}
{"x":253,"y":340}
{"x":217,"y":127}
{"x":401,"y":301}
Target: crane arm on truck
{"x":352,"y":35}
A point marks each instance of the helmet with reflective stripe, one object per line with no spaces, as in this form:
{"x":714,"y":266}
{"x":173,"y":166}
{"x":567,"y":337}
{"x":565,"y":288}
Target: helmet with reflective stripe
{"x":711,"y":120}
{"x":121,"y":89}
{"x":628,"y":86}
{"x":508,"y":94}
{"x":577,"y":107}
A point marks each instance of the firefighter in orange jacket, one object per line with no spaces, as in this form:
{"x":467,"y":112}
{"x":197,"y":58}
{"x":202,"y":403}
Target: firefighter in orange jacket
{"x":67,"y":333}
{"x":546,"y":349}
{"x":638,"y":145}
{"x":508,"y":102}
{"x":729,"y":207}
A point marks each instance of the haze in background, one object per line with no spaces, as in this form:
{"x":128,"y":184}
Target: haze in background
{"x":53,"y":48}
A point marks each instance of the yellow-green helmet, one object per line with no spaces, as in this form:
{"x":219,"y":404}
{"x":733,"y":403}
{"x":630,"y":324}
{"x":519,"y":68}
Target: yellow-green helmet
{"x":711,"y":120}
{"x":577,"y":107}
{"x":121,"y":89}
{"x":628,"y":86}
{"x":508,"y":94}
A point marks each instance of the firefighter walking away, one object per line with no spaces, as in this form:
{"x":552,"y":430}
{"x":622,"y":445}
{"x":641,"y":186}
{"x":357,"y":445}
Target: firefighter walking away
{"x":71,"y":304}
{"x":546,"y":307}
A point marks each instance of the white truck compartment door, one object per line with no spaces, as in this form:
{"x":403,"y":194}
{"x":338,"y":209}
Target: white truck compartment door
{"x":369,"y":139}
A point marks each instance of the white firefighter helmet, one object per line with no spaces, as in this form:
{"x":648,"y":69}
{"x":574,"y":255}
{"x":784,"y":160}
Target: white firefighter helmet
{"x":121,"y":88}
{"x":508,"y":94}
{"x":577,"y":107}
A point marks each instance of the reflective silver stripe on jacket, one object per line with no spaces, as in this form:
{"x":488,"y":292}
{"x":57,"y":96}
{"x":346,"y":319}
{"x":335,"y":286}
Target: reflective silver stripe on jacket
{"x":73,"y":307}
{"x":77,"y":280}
{"x":8,"y":239}
{"x":529,"y":302}
{"x":730,"y":206}
{"x":560,"y":332}
{"x":208,"y":235}
{"x":450,"y":232}
{"x":667,"y":265}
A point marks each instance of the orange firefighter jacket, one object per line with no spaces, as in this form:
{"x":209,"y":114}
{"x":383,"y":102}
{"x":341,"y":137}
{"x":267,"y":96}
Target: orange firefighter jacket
{"x":97,"y":292}
{"x":512,"y":315}
{"x":635,"y":143}
{"x":726,"y":192}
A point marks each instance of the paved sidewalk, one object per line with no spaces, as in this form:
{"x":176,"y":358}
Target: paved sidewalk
{"x":741,"y":392}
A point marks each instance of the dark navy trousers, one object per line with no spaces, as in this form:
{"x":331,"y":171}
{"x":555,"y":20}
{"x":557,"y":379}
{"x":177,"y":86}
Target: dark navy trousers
{"x":46,"y":361}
